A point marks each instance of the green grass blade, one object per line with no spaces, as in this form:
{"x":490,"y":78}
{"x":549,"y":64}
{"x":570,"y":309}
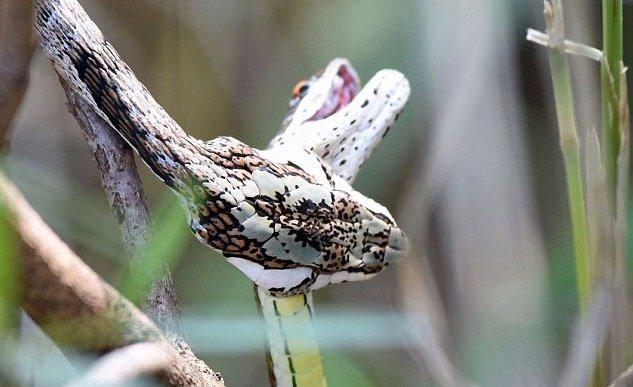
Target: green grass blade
{"x":610,"y":84}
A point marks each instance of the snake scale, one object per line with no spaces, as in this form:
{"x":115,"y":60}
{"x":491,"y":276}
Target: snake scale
{"x":286,"y":216}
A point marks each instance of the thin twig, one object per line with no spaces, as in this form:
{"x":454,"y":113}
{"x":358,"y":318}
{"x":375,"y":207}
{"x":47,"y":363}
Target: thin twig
{"x":569,"y":46}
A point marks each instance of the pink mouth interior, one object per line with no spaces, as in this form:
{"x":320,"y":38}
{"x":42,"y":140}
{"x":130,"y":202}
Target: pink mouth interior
{"x":343,"y":91}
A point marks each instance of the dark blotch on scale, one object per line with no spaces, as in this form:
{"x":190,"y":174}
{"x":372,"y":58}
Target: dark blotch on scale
{"x":386,"y":131}
{"x":44,"y":15}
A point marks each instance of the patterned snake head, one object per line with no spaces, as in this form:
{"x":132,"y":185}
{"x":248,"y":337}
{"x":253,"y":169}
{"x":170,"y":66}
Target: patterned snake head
{"x":285,"y":220}
{"x":331,"y":115}
{"x":318,"y":230}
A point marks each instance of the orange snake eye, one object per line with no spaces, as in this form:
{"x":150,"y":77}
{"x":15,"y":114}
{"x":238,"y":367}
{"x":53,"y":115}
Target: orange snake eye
{"x":300,"y":88}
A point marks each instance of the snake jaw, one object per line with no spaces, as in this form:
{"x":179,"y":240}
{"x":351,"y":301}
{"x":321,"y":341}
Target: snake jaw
{"x":344,"y":86}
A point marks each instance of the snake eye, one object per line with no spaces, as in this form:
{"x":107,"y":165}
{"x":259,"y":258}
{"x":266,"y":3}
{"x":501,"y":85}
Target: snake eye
{"x":300,"y":88}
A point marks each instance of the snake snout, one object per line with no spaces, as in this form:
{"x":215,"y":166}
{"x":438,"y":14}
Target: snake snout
{"x":395,"y":87}
{"x":397,"y":247}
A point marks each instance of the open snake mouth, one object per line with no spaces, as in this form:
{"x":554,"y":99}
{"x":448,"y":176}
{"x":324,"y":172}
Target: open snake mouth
{"x":344,"y":87}
{"x":331,"y":115}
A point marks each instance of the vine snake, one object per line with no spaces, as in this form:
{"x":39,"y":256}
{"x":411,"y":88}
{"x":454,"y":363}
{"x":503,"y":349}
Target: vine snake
{"x":286,"y":216}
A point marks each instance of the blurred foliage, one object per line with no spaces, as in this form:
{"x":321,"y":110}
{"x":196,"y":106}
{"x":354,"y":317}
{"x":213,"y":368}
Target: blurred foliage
{"x":9,"y":280}
{"x":9,"y":292}
{"x":164,"y":248}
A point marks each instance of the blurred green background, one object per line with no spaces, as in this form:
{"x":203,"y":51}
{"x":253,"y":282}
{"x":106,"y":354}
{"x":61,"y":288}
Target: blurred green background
{"x":472,"y":172}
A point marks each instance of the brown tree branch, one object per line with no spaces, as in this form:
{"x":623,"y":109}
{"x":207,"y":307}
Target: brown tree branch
{"x":75,"y":307}
{"x":120,"y":180}
{"x":16,"y":48}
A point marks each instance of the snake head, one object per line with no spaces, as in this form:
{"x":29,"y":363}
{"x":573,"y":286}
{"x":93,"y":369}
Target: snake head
{"x":315,"y":234}
{"x":341,"y":122}
{"x":285,"y":220}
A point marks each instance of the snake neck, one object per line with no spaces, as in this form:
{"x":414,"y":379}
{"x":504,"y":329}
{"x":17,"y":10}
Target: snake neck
{"x":293,"y":350}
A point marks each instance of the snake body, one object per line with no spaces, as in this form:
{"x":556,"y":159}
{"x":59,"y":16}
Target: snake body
{"x":286,"y":216}
{"x":294,"y":357}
